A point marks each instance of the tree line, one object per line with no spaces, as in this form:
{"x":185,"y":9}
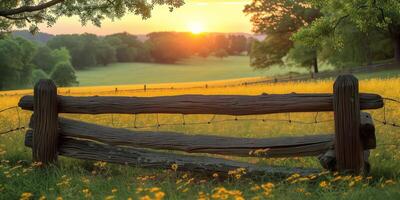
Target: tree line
{"x":306,"y":33}
{"x":23,"y":62}
{"x":88,"y":50}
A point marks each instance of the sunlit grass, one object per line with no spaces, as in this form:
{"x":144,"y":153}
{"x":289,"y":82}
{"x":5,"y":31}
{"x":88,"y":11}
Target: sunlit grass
{"x":77,"y":179}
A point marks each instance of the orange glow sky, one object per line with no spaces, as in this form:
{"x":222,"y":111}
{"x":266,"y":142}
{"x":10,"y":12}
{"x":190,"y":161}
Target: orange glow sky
{"x":210,"y":15}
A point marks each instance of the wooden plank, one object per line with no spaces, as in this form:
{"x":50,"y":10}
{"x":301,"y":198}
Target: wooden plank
{"x":89,"y":150}
{"x":348,"y":145}
{"x":45,"y":140}
{"x":367,"y":131}
{"x":203,"y":104}
{"x":267,"y":147}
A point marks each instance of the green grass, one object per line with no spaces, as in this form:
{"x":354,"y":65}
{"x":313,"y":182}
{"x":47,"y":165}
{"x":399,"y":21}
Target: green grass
{"x":189,"y":70}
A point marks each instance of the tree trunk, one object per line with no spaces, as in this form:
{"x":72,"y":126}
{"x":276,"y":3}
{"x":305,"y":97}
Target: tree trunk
{"x":315,"y":64}
{"x":397,"y":49}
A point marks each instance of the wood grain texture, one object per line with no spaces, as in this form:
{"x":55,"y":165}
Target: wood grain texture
{"x":203,"y":104}
{"x":348,"y":144}
{"x":267,"y":147}
{"x":45,"y":137}
{"x":367,"y":131}
{"x":89,"y":150}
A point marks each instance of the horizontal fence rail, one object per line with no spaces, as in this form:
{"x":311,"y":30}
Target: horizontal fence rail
{"x":89,"y":150}
{"x":203,"y":104}
{"x":256,"y":147}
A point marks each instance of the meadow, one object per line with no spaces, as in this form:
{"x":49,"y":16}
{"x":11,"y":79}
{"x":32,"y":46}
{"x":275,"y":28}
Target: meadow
{"x":189,"y":70}
{"x":77,"y":179}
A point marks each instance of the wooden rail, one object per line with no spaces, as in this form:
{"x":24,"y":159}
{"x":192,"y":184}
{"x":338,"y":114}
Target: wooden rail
{"x":312,"y":145}
{"x":89,"y":150}
{"x":203,"y":104}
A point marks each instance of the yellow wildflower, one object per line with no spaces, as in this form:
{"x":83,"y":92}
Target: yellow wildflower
{"x":174,"y":167}
{"x":26,"y":196}
{"x":215,"y":175}
{"x":159,"y":195}
{"x":147,"y":197}
{"x":111,"y":197}
{"x":323,"y":184}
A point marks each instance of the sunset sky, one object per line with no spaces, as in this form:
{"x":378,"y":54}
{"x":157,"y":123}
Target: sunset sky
{"x":195,"y":16}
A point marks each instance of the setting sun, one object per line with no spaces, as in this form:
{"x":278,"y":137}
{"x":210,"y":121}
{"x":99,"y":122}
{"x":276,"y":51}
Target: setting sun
{"x":196,"y":27}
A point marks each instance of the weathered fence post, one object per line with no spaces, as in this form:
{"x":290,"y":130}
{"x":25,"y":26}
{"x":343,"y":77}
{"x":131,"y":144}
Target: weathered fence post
{"x":346,"y":106}
{"x":45,"y":135}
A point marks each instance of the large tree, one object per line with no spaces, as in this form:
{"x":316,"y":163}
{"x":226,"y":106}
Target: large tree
{"x":278,"y":19}
{"x":366,"y":16}
{"x":22,"y":13}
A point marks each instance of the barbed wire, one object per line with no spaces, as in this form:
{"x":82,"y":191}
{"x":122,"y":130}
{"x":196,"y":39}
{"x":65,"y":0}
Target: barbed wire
{"x":20,"y":127}
{"x":213,"y":120}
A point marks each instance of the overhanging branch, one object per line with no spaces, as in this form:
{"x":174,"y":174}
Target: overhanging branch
{"x":24,"y":9}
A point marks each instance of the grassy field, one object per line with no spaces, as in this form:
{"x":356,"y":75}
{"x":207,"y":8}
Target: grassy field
{"x":190,"y":70}
{"x":77,"y":179}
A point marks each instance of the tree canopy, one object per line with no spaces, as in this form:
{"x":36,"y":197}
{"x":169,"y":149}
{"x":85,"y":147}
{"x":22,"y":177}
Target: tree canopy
{"x":279,"y":20}
{"x":368,"y":17}
{"x":31,"y":13}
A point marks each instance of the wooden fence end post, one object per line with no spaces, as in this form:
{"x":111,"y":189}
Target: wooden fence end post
{"x":346,"y":106}
{"x":45,"y":136}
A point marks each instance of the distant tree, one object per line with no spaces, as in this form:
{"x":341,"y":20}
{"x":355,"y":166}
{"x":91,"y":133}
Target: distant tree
{"x":46,"y":59}
{"x":237,"y":44}
{"x":43,"y":59}
{"x":82,"y":48}
{"x":204,"y":52}
{"x":15,"y":62}
{"x":169,"y":47}
{"x":105,"y":53}
{"x":23,"y":13}
{"x":37,"y":75}
{"x":28,"y":50}
{"x":221,"y":53}
{"x":127,"y":47}
{"x":61,"y":55}
{"x":64,"y":75}
{"x":221,"y":42}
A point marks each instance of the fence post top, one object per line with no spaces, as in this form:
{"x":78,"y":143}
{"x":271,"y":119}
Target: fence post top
{"x":45,"y":84}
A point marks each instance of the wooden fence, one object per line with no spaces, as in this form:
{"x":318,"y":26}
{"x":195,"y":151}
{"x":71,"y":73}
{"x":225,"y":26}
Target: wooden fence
{"x":344,"y":150}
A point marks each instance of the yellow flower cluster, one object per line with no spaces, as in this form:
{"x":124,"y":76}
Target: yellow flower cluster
{"x":153,"y":193}
{"x":237,"y":173}
{"x":222,"y":193}
{"x":26,"y":196}
{"x":65,"y":181}
{"x":174,"y":167}
{"x":86,"y":192}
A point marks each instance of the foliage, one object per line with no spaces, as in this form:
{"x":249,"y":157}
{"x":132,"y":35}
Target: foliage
{"x":15,"y":57}
{"x":46,"y":59}
{"x":169,"y":47}
{"x":221,"y":53}
{"x":64,"y":75}
{"x":38,"y":74}
{"x":278,"y":19}
{"x":23,"y":13}
{"x":347,"y":22}
{"x":270,"y":51}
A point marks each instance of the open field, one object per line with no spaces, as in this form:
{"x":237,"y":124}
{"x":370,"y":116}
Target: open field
{"x":189,"y":70}
{"x":73,"y":179}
